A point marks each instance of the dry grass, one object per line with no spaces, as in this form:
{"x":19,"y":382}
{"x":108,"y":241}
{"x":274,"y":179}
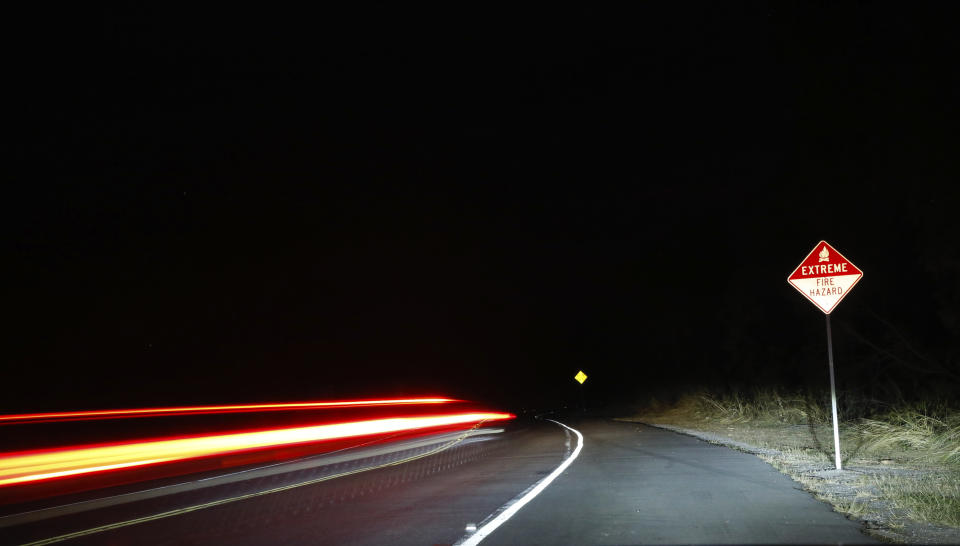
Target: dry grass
{"x":933,"y":498}
{"x":922,"y":434}
{"x":764,"y":406}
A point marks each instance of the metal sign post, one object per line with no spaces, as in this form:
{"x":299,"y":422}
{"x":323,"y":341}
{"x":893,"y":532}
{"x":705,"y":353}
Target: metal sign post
{"x":833,"y":396}
{"x":825,"y":277}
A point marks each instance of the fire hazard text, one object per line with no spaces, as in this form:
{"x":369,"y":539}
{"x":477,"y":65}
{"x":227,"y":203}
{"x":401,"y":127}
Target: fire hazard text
{"x":826,"y":287}
{"x":823,"y":269}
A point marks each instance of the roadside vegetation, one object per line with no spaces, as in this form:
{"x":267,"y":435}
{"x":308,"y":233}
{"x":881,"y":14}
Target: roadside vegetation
{"x":901,"y":461}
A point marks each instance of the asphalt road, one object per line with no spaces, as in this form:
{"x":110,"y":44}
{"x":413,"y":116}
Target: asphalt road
{"x":630,"y":484}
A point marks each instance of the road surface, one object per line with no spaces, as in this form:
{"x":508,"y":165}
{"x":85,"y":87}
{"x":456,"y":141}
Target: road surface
{"x":628,"y":484}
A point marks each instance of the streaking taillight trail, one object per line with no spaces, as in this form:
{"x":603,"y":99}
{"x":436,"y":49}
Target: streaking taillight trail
{"x":202,"y":410}
{"x":29,"y":467}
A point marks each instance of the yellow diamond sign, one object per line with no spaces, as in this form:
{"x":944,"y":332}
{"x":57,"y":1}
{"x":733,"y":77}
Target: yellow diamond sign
{"x":581,"y":377}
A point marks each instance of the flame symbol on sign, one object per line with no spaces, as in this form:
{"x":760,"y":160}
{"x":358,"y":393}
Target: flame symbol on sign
{"x":824,"y":255}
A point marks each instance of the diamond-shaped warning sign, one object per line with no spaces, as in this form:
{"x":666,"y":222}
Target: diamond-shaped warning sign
{"x":825,"y":277}
{"x":581,"y":377}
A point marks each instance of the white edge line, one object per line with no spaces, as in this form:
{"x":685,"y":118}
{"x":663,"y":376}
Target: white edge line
{"x":508,"y":510}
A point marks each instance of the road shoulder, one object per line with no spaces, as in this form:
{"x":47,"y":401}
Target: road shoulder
{"x":846,"y":490}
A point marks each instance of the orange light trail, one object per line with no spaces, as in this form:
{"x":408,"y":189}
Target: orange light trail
{"x":27,"y":467}
{"x":186,"y":410}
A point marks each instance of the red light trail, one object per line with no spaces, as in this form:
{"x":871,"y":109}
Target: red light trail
{"x":195,"y":410}
{"x":28,"y":467}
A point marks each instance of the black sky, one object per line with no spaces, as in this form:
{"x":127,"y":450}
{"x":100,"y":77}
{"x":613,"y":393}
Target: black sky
{"x":263,"y":204}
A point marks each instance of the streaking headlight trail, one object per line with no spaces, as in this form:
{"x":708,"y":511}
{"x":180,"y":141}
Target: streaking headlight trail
{"x":194,"y":410}
{"x":27,"y":467}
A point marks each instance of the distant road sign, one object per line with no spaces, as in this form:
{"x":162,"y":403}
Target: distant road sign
{"x":581,"y":377}
{"x":825,"y":277}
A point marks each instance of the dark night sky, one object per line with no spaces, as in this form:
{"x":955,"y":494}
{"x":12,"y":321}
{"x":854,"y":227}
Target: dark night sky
{"x":262,"y":205}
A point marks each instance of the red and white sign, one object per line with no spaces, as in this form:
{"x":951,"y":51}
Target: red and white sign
{"x":825,"y":277}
